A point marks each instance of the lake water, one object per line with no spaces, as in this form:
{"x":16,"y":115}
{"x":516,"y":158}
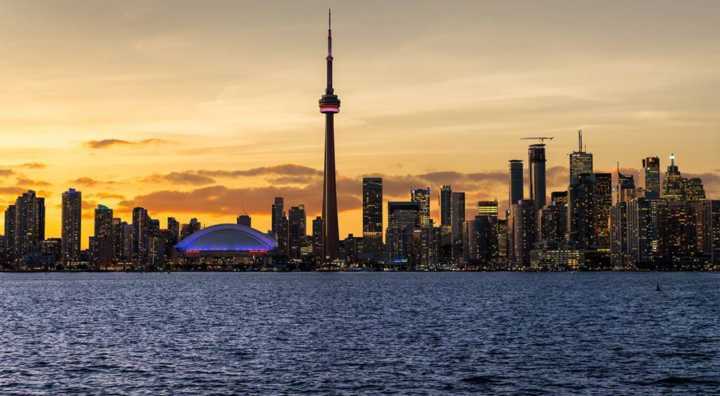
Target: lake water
{"x":295,"y":333}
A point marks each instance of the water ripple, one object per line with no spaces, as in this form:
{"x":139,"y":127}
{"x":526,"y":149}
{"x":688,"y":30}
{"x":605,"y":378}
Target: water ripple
{"x":261,"y":333}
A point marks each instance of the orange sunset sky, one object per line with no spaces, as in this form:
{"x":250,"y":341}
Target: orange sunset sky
{"x":208,"y":109}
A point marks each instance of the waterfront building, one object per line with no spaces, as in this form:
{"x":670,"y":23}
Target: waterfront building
{"x":487,"y":208}
{"x":673,"y":182}
{"x":279,"y":224}
{"x":403,"y":219}
{"x":602,"y":202}
{"x":651,"y":169}
{"x":642,"y":232}
{"x":317,"y":239}
{"x":372,"y":212}
{"x":536,"y":167}
{"x":693,"y":189}
{"x":297,"y":230}
{"x":516,"y":181}
{"x":103,"y":252}
{"x":173,"y":227}
{"x":581,"y":162}
{"x":457,"y":223}
{"x":10,"y":239}
{"x":140,"y":235}
{"x":524,"y":232}
{"x":552,"y":223}
{"x":71,"y":225}
{"x":190,"y":228}
{"x":445,"y":205}
{"x":422,"y":197}
{"x":581,"y":219}
{"x":29,"y":223}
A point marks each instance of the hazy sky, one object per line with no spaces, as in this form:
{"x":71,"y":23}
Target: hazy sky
{"x":194,"y":108}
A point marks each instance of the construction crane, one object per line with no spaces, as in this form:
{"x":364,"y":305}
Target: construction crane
{"x":542,"y":139}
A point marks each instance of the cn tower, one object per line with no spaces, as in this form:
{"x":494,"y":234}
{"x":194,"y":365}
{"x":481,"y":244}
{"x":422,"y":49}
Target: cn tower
{"x":329,"y":105}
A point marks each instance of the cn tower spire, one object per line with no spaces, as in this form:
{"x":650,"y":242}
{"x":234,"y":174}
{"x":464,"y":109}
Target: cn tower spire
{"x":329,"y":88}
{"x":329,"y":105}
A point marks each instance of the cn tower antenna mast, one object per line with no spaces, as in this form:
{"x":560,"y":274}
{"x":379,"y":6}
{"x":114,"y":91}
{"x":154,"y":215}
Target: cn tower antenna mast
{"x":329,"y":105}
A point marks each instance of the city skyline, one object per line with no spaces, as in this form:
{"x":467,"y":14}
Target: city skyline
{"x":66,"y":140}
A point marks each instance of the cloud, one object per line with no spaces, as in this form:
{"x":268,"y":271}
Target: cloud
{"x":300,"y":179}
{"x":23,"y":181}
{"x":88,"y":204}
{"x":556,"y":177}
{"x":105,"y":195}
{"x":109,"y":143}
{"x":285,"y":169}
{"x":33,"y":165}
{"x":187,"y":177}
{"x":11,"y":191}
{"x":6,"y":172}
{"x":223,"y":200}
{"x":90,"y":182}
{"x":306,"y":187}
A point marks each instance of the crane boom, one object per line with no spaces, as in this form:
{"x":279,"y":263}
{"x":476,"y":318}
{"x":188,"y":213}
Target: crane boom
{"x":542,"y":139}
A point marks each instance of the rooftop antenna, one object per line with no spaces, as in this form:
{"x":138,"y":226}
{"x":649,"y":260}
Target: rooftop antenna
{"x":580,"y":139}
{"x":330,"y":31}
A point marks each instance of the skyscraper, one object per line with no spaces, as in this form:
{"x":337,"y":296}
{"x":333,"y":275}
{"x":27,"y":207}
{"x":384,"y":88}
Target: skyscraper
{"x":10,"y":238}
{"x":372,"y":217}
{"x":104,"y":251}
{"x":445,"y":240}
{"x":487,"y":208}
{"x":581,"y":162}
{"x":317,"y":239}
{"x":173,"y":227}
{"x":422,"y":197}
{"x":619,"y":252}
{"x":581,"y":214}
{"x":457,"y":223}
{"x":140,"y":235}
{"x":29,"y":223}
{"x":673,"y":181}
{"x":277,"y":214}
{"x":643,"y":244}
{"x":709,"y":229}
{"x":625,"y":187}
{"x":71,"y":225}
{"x":602,"y":202}
{"x":329,"y":105}
{"x":678,"y":235}
{"x":524,"y":223}
{"x":516,"y":181}
{"x":445,"y":205}
{"x":536,"y":156}
{"x":693,"y":189}
{"x":297,"y":230}
{"x":481,"y":237}
{"x":118,"y":242}
{"x":403,"y":220}
{"x":651,"y":166}
{"x":279,"y":224}
{"x":552,"y":221}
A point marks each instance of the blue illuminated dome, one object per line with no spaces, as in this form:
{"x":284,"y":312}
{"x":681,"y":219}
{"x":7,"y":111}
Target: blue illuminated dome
{"x":227,"y":239}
